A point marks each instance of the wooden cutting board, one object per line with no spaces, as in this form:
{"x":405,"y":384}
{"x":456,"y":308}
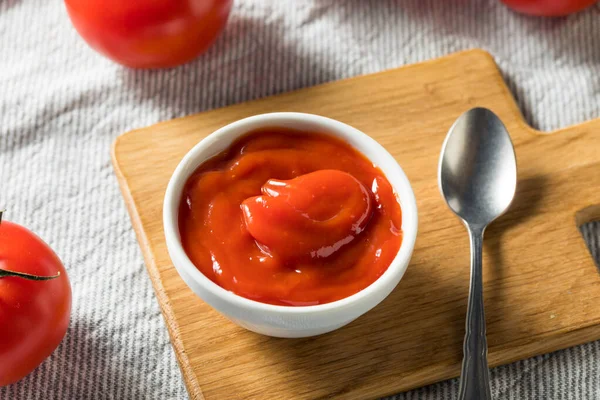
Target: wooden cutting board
{"x":542,"y":289}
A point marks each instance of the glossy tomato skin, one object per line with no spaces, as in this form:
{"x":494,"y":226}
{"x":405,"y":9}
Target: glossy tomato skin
{"x":34,"y":315}
{"x":149,"y":33}
{"x":548,"y":8}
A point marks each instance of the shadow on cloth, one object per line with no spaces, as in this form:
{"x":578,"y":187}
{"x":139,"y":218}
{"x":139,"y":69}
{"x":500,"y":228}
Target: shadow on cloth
{"x":8,"y":4}
{"x":88,"y":364}
{"x":251,"y":59}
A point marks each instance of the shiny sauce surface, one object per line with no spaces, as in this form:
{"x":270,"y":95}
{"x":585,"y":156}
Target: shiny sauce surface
{"x":290,"y":218}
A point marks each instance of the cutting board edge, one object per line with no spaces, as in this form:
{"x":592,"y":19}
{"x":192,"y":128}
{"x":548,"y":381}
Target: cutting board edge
{"x":193,"y":386}
{"x":525,"y":351}
{"x":475,"y":52}
{"x":588,"y":214}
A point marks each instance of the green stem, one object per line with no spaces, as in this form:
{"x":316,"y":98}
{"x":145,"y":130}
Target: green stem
{"x":4,"y":273}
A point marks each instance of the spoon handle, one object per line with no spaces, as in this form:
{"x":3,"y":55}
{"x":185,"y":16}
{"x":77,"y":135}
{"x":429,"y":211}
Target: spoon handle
{"x":474,"y":380}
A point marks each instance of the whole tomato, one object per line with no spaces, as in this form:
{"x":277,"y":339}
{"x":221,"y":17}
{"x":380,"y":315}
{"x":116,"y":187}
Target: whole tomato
{"x":35,"y":301}
{"x":548,"y":8}
{"x":149,"y":33}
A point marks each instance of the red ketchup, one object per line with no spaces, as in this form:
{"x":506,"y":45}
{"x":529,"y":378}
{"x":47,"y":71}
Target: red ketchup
{"x":290,"y":218}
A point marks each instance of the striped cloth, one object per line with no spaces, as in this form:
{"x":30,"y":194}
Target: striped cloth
{"x":62,"y":105}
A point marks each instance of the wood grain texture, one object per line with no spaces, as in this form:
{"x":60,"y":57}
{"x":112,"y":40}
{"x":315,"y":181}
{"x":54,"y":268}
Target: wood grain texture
{"x":542,"y":289}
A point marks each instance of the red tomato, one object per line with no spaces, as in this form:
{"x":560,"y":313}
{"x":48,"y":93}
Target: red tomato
{"x":149,"y":33}
{"x":549,"y":8}
{"x":34,"y":314}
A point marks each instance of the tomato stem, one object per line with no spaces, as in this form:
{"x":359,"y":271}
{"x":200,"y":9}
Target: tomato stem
{"x":4,"y":273}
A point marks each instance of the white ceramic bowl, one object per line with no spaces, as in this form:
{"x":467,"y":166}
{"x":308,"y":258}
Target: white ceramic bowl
{"x":287,"y":321}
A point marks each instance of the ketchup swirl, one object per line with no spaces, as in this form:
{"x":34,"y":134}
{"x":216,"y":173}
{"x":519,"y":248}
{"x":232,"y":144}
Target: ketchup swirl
{"x":290,"y":218}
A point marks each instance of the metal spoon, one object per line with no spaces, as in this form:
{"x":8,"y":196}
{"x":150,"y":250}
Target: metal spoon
{"x":478,"y":179}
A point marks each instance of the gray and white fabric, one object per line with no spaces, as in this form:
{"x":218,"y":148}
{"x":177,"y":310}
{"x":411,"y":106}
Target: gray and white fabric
{"x":62,"y":105}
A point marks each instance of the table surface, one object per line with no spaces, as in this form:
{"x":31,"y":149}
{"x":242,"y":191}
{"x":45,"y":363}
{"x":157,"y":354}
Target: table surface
{"x":61,"y":106}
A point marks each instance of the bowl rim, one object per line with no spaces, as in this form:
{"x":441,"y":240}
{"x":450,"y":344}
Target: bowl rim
{"x":229,"y":133}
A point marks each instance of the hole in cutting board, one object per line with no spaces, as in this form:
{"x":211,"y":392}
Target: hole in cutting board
{"x":588,"y":222}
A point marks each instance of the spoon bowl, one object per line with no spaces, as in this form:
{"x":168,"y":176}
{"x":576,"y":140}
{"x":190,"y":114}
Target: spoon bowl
{"x":478,"y":167}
